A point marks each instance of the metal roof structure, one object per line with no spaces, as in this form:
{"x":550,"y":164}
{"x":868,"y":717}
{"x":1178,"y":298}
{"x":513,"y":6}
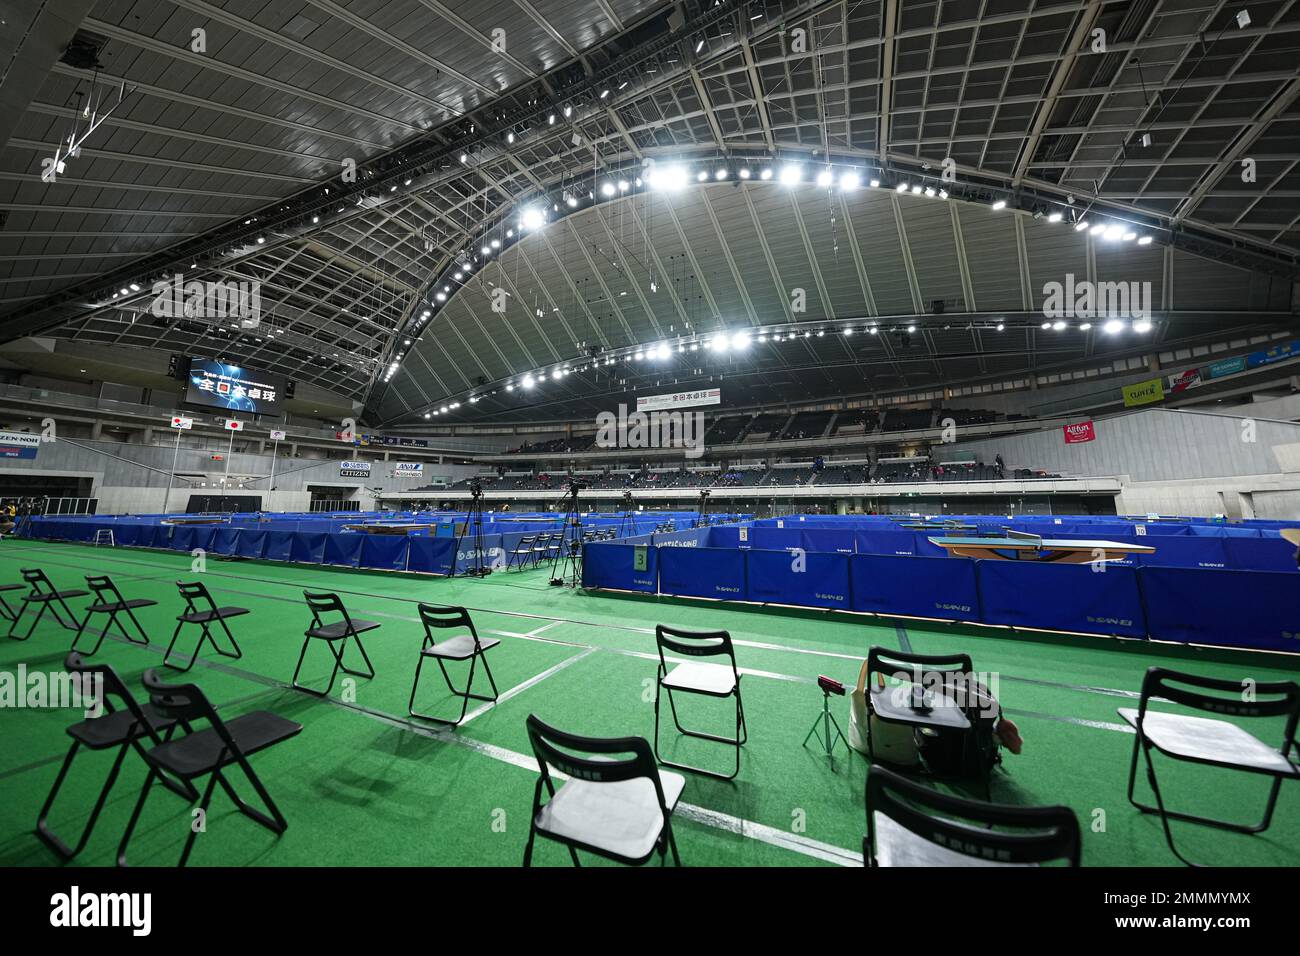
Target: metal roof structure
{"x":1168,"y":118}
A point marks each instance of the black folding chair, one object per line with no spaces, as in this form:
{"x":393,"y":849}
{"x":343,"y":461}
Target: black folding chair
{"x":334,"y":633}
{"x":200,"y":609}
{"x":521,"y":553}
{"x":461,"y":647}
{"x":708,"y":680}
{"x":619,"y":809}
{"x":208,"y":752}
{"x":44,"y":596}
{"x":1209,"y":741}
{"x":109,"y":600}
{"x":123,"y":728}
{"x":7,"y":612}
{"x":910,"y":824}
{"x":541,"y":546}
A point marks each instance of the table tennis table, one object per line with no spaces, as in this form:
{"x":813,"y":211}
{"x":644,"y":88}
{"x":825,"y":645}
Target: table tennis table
{"x":1022,"y":546}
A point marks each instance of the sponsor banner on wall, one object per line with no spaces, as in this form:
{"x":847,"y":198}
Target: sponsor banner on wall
{"x":1277,"y":353}
{"x":354,"y":469}
{"x":408,"y":469}
{"x":19,"y":445}
{"x":1143,"y":393}
{"x":1184,"y":380}
{"x":393,"y":440}
{"x":1228,"y":366}
{"x":655,"y":403}
{"x":1077,"y":432}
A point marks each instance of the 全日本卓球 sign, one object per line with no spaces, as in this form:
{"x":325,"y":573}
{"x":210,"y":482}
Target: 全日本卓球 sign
{"x":656,"y":403}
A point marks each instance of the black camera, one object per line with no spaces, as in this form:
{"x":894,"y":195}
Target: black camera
{"x":475,"y":488}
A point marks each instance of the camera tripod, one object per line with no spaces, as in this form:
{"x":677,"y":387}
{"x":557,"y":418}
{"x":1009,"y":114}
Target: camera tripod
{"x":473,"y":518}
{"x":703,"y":520}
{"x":566,"y":566}
{"x":627,"y":524}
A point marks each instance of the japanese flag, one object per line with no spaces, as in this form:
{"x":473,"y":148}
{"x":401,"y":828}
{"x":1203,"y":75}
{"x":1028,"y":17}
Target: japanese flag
{"x":234,"y":426}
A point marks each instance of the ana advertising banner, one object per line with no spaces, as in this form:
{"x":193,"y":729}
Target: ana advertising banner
{"x":19,"y":445}
{"x":354,"y":469}
{"x":1077,"y":432}
{"x":1143,"y":393}
{"x":408,"y":469}
{"x":656,"y":403}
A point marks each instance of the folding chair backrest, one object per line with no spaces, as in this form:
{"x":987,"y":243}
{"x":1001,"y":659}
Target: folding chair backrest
{"x":1041,"y":834}
{"x":920,"y":668}
{"x":109,"y":683}
{"x":182,"y":701}
{"x":325,"y":602}
{"x":196,"y":593}
{"x":558,"y":750}
{"x":526,"y":541}
{"x":106,"y":591}
{"x":694,"y":644}
{"x":1271,"y":699}
{"x":445,"y":616}
{"x":38,"y":579}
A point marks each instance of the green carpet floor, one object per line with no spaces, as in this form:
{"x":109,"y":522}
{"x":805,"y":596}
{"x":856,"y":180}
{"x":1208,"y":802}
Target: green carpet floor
{"x":365,"y":785}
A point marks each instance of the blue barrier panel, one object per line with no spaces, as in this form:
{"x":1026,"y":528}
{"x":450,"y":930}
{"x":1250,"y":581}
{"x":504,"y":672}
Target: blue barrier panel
{"x":1264,"y":554}
{"x":702,"y":572}
{"x":694,"y":538}
{"x":252,"y":541}
{"x":775,"y":539}
{"x":384,"y":551}
{"x":308,"y":547}
{"x":182,"y":538}
{"x":829,"y":540}
{"x":493,"y":556}
{"x":726,"y":538}
{"x":343,"y":549}
{"x":431,"y":555}
{"x":915,"y":586}
{"x":202,"y":537}
{"x":127,"y":533}
{"x":1256,"y":609}
{"x":226,"y":540}
{"x":610,"y":564}
{"x":1061,"y":597}
{"x":885,"y":542}
{"x":814,"y":579}
{"x":1189,"y":552}
{"x":279,"y":545}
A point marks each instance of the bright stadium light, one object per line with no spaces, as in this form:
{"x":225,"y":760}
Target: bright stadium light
{"x":999,"y":205}
{"x":790,"y":175}
{"x":825,"y":178}
{"x":668,"y":178}
{"x":532,"y":218}
{"x":1113,"y":327}
{"x":740,"y":340}
{"x":663,"y":351}
{"x":850,"y":181}
{"x":1142,"y":326}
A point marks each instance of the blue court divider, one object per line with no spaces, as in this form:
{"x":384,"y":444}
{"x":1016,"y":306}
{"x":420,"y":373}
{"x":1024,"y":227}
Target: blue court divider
{"x":1189,"y":552}
{"x":182,"y":538}
{"x":432,"y":555}
{"x":384,"y":551}
{"x":226,"y":540}
{"x":1228,"y":608}
{"x":915,"y":586}
{"x":279,"y":545}
{"x":127,"y":534}
{"x":1264,"y":554}
{"x":1061,"y":597}
{"x":811,"y":579}
{"x":202,"y":537}
{"x":702,"y":572}
{"x":343,"y":549}
{"x":885,"y":542}
{"x":830,"y":540}
{"x":308,"y":547}
{"x":251,"y":543}
{"x":612,"y":564}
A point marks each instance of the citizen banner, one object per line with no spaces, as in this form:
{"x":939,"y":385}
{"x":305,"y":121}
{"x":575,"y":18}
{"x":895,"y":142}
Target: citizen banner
{"x":656,"y":403}
{"x":1077,"y":432}
{"x":354,"y":469}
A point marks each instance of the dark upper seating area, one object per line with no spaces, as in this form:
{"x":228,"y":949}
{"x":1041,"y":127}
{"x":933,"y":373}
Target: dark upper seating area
{"x":764,"y":426}
{"x":726,"y":429}
{"x":907,"y":419}
{"x":864,"y":420}
{"x":807,"y":425}
{"x":968,"y":416}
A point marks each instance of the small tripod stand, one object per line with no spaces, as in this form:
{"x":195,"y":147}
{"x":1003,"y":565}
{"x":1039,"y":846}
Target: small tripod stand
{"x":627,"y":524}
{"x":474,"y":518}
{"x":703,"y":520}
{"x":568,"y":559}
{"x":827,"y":720}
